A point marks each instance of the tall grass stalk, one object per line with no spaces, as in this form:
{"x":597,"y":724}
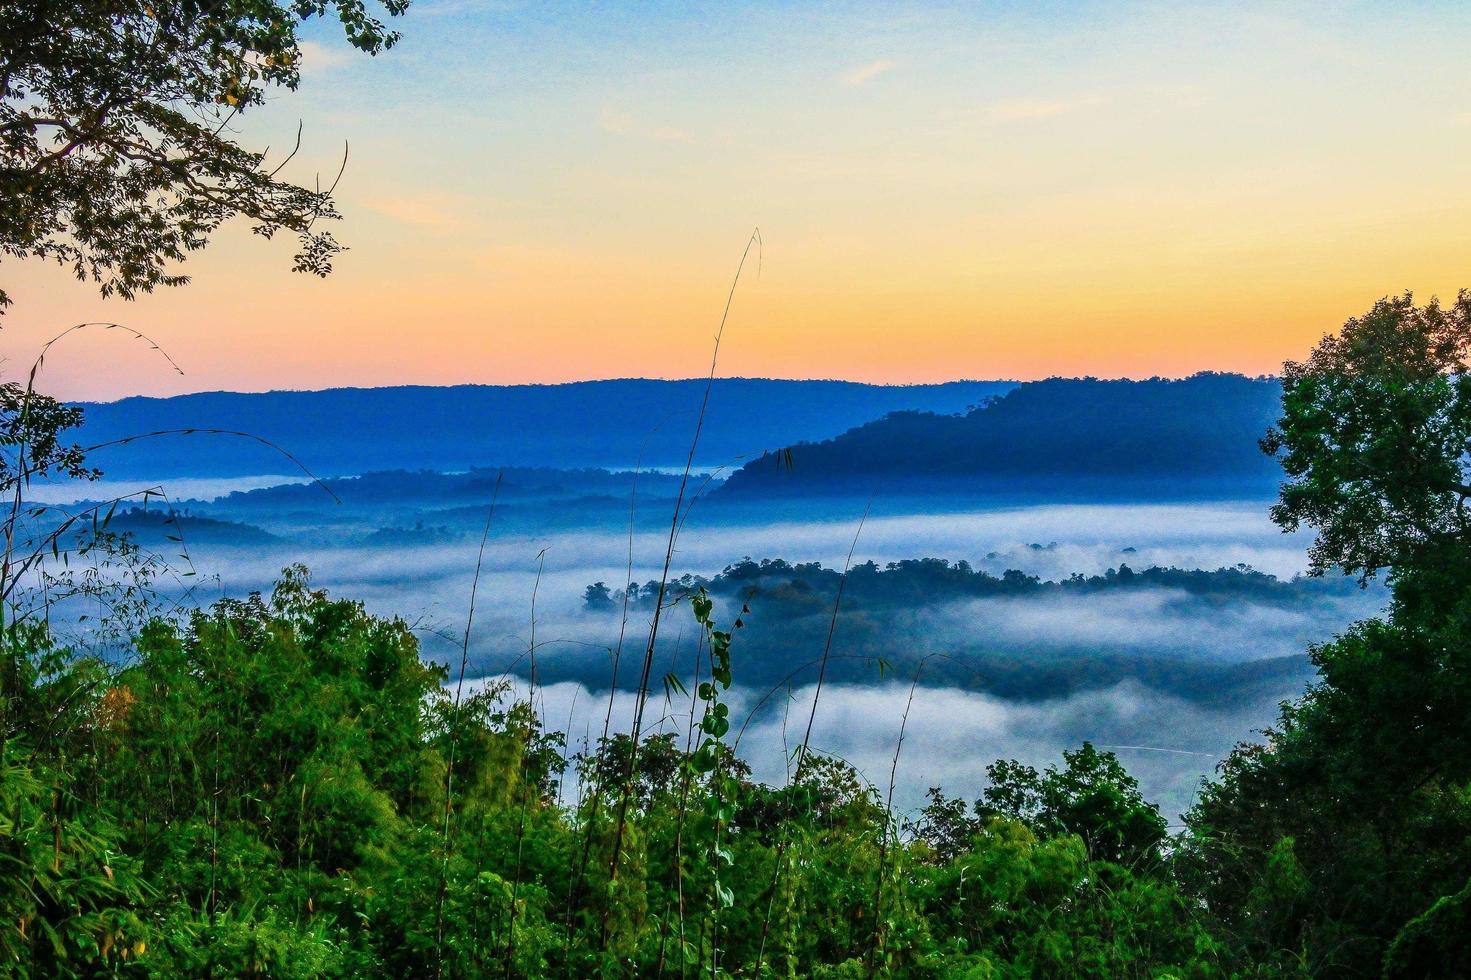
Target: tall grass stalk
{"x":579,"y":877}
{"x":641,"y":698}
{"x":682,"y":814}
{"x":23,"y":472}
{"x":879,"y":935}
{"x":534,"y":725}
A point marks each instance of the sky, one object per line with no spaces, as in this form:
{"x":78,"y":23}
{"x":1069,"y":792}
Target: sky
{"x":541,"y":192}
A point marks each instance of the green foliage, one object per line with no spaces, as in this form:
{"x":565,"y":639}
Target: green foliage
{"x":70,"y":896}
{"x":1092,"y":797}
{"x":33,"y":427}
{"x":1433,"y":944}
{"x":1014,"y":904}
{"x":1340,"y":846}
{"x":711,"y":757}
{"x":259,"y":792}
{"x":1373,"y":437}
{"x":263,"y":791}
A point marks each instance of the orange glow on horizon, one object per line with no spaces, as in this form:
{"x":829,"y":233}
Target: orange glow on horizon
{"x":1137,"y":194}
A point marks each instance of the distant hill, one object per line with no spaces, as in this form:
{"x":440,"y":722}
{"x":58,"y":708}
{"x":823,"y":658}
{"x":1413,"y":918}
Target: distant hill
{"x":158,"y":524}
{"x":1198,"y":433}
{"x":474,"y":486}
{"x":345,"y":431}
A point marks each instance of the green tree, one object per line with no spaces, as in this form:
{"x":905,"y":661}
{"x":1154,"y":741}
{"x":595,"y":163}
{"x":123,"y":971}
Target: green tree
{"x":1092,"y":797}
{"x":1374,"y":436}
{"x":1346,"y":835}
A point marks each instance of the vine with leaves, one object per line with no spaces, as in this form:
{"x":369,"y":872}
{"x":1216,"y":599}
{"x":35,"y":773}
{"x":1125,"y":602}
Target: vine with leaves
{"x":711,"y":765}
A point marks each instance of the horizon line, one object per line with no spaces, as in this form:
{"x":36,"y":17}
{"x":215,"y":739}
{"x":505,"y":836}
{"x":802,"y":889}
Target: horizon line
{"x":615,"y":380}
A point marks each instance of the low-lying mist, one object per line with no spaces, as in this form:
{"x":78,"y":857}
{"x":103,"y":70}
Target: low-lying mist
{"x":950,"y":736}
{"x":1171,"y":677}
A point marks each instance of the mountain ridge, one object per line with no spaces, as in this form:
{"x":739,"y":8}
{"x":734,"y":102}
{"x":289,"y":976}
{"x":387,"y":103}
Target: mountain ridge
{"x":1199,"y":428}
{"x":617,"y":423}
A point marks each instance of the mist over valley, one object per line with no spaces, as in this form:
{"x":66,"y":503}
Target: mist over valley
{"x":1141,"y":603}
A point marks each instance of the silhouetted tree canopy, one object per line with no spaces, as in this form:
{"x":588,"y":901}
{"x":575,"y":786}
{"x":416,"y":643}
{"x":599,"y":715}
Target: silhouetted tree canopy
{"x":33,"y":428}
{"x":1196,"y":430}
{"x":115,"y":154}
{"x":1374,"y":435}
{"x":1340,"y":847}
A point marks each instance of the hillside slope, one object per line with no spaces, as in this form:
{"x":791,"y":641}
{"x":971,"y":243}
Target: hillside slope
{"x":1192,"y":432}
{"x":614,"y":424}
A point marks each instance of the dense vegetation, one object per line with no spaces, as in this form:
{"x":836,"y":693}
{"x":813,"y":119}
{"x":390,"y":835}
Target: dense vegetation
{"x":924,"y":581}
{"x":282,"y":786}
{"x":263,"y":793}
{"x":947,"y":622}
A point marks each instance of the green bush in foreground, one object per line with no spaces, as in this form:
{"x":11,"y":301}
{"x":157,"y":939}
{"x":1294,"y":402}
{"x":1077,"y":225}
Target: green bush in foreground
{"x":262,"y":793}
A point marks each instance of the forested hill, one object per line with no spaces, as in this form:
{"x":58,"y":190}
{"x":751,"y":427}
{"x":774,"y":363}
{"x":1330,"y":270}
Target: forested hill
{"x":1198,"y":433}
{"x":613,"y":424}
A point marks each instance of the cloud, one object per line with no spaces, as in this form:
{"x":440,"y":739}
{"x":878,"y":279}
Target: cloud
{"x":177,"y":488}
{"x":1090,"y":539}
{"x":1019,"y":110}
{"x":951,"y":736}
{"x":430,"y":584}
{"x":421,"y":211}
{"x":668,"y":134}
{"x":318,"y":58}
{"x":613,"y":119}
{"x":445,"y":8}
{"x":870,"y":71}
{"x":1157,"y":622}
